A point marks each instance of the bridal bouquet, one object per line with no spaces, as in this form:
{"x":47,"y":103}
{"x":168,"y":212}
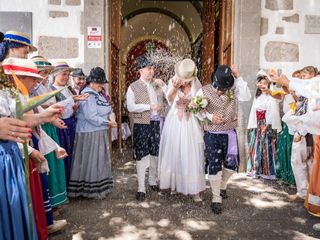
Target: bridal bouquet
{"x":197,"y":107}
{"x":197,"y":104}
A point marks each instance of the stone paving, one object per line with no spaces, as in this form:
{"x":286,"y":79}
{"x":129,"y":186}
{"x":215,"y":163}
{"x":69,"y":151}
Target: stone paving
{"x":255,"y":209}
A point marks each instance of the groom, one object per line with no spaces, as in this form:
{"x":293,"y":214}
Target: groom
{"x":145,"y":100}
{"x":220,"y":135}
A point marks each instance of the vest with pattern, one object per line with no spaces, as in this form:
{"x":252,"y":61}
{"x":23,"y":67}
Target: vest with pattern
{"x":223,"y":105}
{"x":141,"y":96}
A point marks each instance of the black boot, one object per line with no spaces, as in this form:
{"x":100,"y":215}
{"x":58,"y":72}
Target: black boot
{"x":216,"y":208}
{"x":155,"y":188}
{"x":140,"y":196}
{"x":223,"y":194}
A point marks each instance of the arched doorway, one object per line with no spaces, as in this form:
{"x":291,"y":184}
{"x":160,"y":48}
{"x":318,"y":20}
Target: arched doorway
{"x":145,"y":47}
{"x":200,"y":29}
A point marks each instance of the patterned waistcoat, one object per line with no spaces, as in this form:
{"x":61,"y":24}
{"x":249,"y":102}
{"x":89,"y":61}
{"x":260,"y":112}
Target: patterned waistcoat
{"x":223,"y":105}
{"x":141,"y":96}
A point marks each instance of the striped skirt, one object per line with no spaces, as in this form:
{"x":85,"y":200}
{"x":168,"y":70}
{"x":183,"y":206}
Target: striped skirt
{"x":91,"y":174}
{"x":262,"y":152}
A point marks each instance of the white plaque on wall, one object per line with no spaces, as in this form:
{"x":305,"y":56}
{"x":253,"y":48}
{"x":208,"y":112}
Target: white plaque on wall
{"x":94,"y":37}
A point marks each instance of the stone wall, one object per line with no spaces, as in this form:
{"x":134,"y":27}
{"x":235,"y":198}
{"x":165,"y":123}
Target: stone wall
{"x":290,"y":33}
{"x":56,"y":27}
{"x":247,"y":28}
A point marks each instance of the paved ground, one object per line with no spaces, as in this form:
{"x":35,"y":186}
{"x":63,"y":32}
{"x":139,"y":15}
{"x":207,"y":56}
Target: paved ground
{"x":255,"y":209}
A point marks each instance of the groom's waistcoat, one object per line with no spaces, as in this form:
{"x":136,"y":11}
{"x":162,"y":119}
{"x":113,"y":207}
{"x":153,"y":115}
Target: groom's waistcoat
{"x":141,"y":96}
{"x":224,"y":105}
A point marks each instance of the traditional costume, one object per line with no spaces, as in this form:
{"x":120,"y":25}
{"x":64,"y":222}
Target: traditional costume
{"x":146,"y":127}
{"x":302,"y":151}
{"x":91,"y":174}
{"x":66,"y":136}
{"x":311,"y":89}
{"x":284,"y":146}
{"x":53,"y":182}
{"x":221,"y":144}
{"x":264,"y":114}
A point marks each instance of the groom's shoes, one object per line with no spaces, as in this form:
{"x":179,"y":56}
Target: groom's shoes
{"x":140,"y":196}
{"x":155,"y":188}
{"x":223,"y":194}
{"x":216,"y":208}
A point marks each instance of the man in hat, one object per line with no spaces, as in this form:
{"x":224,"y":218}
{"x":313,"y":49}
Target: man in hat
{"x":78,"y":80}
{"x":220,"y":136}
{"x":145,"y":100}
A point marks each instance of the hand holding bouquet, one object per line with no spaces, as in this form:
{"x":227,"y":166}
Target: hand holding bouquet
{"x":197,"y":107}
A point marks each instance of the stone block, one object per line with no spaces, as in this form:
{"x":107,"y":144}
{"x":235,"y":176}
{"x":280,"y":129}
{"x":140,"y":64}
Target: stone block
{"x":57,"y":47}
{"x":54,"y":2}
{"x":276,"y":5}
{"x":281,"y":52}
{"x":294,"y":18}
{"x":73,"y":2}
{"x":264,"y":24}
{"x":312,"y":24}
{"x":58,"y":14}
{"x":279,"y":30}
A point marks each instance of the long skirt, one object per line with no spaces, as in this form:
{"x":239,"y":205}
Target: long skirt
{"x":283,"y":165}
{"x":66,"y":138}
{"x":37,"y":201}
{"x":14,"y":216}
{"x":262,"y":152}
{"x":45,"y":189}
{"x":91,"y":168}
{"x":312,"y":202}
{"x":56,"y":177}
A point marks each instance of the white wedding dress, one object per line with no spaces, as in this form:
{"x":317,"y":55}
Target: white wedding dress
{"x":181,"y":153}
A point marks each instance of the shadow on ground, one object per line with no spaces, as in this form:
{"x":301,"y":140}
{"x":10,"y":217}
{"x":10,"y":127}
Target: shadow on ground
{"x":255,"y":209}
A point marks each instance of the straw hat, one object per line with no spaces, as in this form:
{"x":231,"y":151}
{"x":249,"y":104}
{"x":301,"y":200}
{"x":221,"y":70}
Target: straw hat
{"x":13,"y":36}
{"x":21,"y":67}
{"x":186,"y":70}
{"x":60,"y":67}
{"x":42,"y":63}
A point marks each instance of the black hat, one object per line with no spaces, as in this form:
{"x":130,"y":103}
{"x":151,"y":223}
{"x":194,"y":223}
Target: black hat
{"x":142,"y":62}
{"x":77,"y":72}
{"x":222,"y":78}
{"x":97,"y":75}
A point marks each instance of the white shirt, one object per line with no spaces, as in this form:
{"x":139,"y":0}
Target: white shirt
{"x":242,"y":93}
{"x":134,"y":107}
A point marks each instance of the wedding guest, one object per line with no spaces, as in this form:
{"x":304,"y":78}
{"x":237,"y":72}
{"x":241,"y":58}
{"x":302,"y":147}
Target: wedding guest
{"x":284,"y":141}
{"x":68,"y":98}
{"x":181,"y":158}
{"x":53,"y":182}
{"x":91,"y":174}
{"x":302,"y":146}
{"x":146,"y":103}
{"x":264,"y":124}
{"x":220,"y":136}
{"x":15,"y":44}
{"x":26,"y":70}
{"x":78,"y":80}
{"x":309,"y":89}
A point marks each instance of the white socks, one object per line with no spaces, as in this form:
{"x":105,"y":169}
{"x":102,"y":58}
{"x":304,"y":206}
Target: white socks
{"x":150,"y":162}
{"x":226,"y":174}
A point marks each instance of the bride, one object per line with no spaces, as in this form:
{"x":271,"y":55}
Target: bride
{"x":181,"y":153}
